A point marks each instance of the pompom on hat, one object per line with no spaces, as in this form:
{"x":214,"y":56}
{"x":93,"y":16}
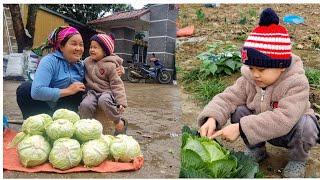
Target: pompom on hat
{"x":105,"y":41}
{"x":268,"y":45}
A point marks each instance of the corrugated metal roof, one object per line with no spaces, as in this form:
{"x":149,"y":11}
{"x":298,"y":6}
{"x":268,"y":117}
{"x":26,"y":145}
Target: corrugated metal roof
{"x":135,"y":14}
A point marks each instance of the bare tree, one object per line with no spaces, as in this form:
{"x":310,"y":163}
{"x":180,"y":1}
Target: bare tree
{"x":24,"y":37}
{"x":31,"y":22}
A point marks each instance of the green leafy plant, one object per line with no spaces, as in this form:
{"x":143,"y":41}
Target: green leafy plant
{"x":205,"y":158}
{"x":221,"y":58}
{"x":200,"y":15}
{"x":139,"y":36}
{"x":313,"y":76}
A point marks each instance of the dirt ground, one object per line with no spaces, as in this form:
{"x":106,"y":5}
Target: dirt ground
{"x":154,"y":115}
{"x":222,"y":23}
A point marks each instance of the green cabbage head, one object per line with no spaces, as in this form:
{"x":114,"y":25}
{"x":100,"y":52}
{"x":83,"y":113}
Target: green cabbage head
{"x":108,"y":139}
{"x":65,"y":153}
{"x":47,"y":118}
{"x":88,"y":129}
{"x":35,"y":124}
{"x":124,"y":148}
{"x":17,"y":139}
{"x":66,"y":114}
{"x":60,"y":128}
{"x":33,"y":151}
{"x":94,"y":152}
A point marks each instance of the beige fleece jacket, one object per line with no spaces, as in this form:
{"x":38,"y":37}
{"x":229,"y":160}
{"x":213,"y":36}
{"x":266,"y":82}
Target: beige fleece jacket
{"x":291,"y":91}
{"x":102,"y":77}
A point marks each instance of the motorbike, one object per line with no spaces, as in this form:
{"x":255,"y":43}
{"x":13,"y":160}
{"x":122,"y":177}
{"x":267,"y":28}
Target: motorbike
{"x":137,"y":71}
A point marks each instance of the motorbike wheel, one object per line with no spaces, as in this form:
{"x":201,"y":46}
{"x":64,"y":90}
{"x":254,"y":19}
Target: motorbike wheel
{"x":164,"y":77}
{"x":131,"y":77}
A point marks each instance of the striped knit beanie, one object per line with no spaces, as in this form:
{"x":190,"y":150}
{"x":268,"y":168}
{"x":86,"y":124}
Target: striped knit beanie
{"x":268,"y":45}
{"x":105,"y":41}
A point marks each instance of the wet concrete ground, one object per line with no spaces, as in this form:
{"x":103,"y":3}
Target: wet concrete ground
{"x":154,"y":115}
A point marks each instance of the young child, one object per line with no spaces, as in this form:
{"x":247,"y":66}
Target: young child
{"x":105,"y":87}
{"x":269,"y":102}
{"x":155,"y":60}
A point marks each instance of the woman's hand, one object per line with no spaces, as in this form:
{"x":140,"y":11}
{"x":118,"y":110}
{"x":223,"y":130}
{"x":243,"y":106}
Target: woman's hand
{"x":229,"y":133}
{"x":120,"y":70}
{"x":72,"y":89}
{"x":208,"y":128}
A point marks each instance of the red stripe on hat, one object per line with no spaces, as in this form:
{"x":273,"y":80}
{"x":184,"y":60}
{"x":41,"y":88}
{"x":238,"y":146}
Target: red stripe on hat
{"x":278,"y":56}
{"x":273,"y":50}
{"x":107,"y":41}
{"x":273,"y":28}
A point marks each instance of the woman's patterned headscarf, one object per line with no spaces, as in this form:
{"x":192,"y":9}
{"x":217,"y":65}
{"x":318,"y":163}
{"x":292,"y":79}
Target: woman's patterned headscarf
{"x":59,"y":34}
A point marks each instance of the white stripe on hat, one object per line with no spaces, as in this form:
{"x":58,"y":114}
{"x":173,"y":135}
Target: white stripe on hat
{"x":269,"y":39}
{"x":267,"y":46}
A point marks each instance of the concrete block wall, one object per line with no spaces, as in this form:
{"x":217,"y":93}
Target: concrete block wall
{"x":162,"y":34}
{"x":124,"y":37}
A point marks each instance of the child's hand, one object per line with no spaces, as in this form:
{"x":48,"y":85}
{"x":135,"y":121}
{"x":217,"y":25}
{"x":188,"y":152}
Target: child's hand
{"x":208,"y":128}
{"x":121,"y":109}
{"x":229,"y":133}
{"x":120,"y":70}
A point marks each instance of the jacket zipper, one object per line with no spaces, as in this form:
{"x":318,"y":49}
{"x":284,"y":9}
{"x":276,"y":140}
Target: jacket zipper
{"x":263,"y":92}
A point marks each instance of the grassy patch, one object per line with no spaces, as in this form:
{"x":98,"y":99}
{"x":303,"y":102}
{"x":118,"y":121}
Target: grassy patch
{"x":207,"y":89}
{"x":202,"y":89}
{"x":313,"y":76}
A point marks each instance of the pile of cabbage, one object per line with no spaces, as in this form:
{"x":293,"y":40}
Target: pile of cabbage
{"x":66,"y":141}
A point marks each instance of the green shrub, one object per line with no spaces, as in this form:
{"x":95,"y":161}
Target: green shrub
{"x":221,"y":58}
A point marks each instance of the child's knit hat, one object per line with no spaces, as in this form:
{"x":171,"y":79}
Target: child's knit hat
{"x":105,"y":41}
{"x":268,"y":45}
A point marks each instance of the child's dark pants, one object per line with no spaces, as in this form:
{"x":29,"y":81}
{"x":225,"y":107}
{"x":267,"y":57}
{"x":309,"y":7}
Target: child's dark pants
{"x":298,"y":141}
{"x":104,"y":101}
